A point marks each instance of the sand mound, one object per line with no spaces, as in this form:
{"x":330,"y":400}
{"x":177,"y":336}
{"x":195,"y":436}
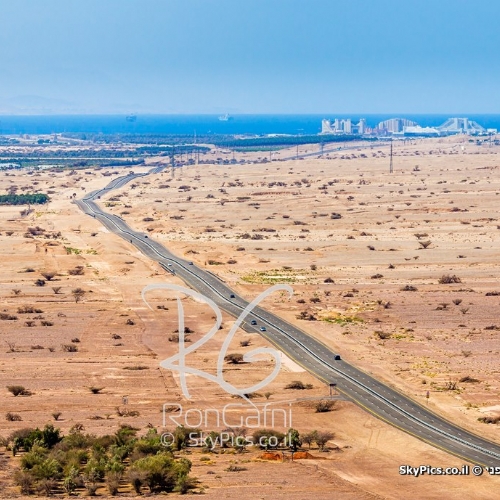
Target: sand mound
{"x":298,"y":455}
{"x":271,"y":456}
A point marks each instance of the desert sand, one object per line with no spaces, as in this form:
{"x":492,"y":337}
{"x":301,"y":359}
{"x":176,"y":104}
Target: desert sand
{"x":342,"y":218}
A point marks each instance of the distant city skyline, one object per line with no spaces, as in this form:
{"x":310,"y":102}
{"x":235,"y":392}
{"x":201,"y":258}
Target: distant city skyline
{"x":403,"y":127}
{"x":249,"y":57}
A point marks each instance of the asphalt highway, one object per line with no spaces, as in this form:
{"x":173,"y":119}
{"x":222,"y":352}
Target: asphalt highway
{"x":357,"y":386}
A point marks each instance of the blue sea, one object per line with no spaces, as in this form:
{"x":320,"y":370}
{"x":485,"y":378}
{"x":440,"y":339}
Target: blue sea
{"x":203,"y":124}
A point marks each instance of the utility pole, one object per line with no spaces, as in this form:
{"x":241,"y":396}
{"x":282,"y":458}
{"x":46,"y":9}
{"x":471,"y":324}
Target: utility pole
{"x":172,"y":156}
{"x":391,"y":169}
{"x":297,"y":154}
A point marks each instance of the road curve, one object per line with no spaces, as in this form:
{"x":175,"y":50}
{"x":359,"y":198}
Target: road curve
{"x":357,"y":386}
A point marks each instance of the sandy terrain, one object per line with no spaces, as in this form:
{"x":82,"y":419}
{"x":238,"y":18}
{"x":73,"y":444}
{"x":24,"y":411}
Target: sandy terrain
{"x":256,"y":225}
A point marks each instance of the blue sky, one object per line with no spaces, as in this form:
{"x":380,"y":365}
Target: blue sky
{"x":249,"y":56}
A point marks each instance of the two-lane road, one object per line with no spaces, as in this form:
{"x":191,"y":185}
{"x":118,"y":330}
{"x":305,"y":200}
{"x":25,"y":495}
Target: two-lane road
{"x":357,"y":386}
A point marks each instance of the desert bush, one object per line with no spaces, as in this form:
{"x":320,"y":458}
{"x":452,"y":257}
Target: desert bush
{"x":409,"y":288}
{"x":307,"y":316}
{"x":49,"y":275}
{"x":329,"y":280}
{"x":450,"y":385}
{"x":69,"y":348}
{"x":267,"y":438}
{"x":324,"y":406}
{"x":12,"y":417}
{"x":7,"y":317}
{"x":160,"y":472}
{"x":234,"y":358}
{"x":56,"y":415}
{"x":447,"y":279}
{"x":18,"y":390}
{"x":322,"y":437}
{"x":457,"y":302}
{"x":382,"y":335}
{"x":56,"y":289}
{"x":309,"y":438}
{"x":175,"y":338}
{"x":96,"y":390}
{"x":489,"y":420}
{"x":28,"y":310}
{"x":40,"y":282}
{"x":235,"y":468}
{"x":78,"y":294}
{"x":298,"y":384}
{"x":77,"y":271}
{"x":113,"y":479}
{"x":25,"y":481}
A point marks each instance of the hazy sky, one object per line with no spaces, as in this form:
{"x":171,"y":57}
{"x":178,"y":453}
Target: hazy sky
{"x":250,"y":56}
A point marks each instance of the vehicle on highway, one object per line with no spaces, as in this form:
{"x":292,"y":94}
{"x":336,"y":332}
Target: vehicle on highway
{"x":190,"y":263}
{"x":337,"y":357}
{"x":232,"y":296}
{"x":145,"y":236}
{"x":253,"y":322}
{"x":262,"y":328}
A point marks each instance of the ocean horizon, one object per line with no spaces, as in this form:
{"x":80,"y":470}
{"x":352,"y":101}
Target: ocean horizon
{"x":206,"y":124}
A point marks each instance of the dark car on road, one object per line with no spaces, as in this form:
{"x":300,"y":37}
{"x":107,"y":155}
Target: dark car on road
{"x":253,"y":322}
{"x":262,"y":328}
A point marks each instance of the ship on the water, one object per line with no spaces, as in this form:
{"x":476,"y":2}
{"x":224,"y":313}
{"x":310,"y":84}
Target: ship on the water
{"x":131,"y":118}
{"x":225,"y":118}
